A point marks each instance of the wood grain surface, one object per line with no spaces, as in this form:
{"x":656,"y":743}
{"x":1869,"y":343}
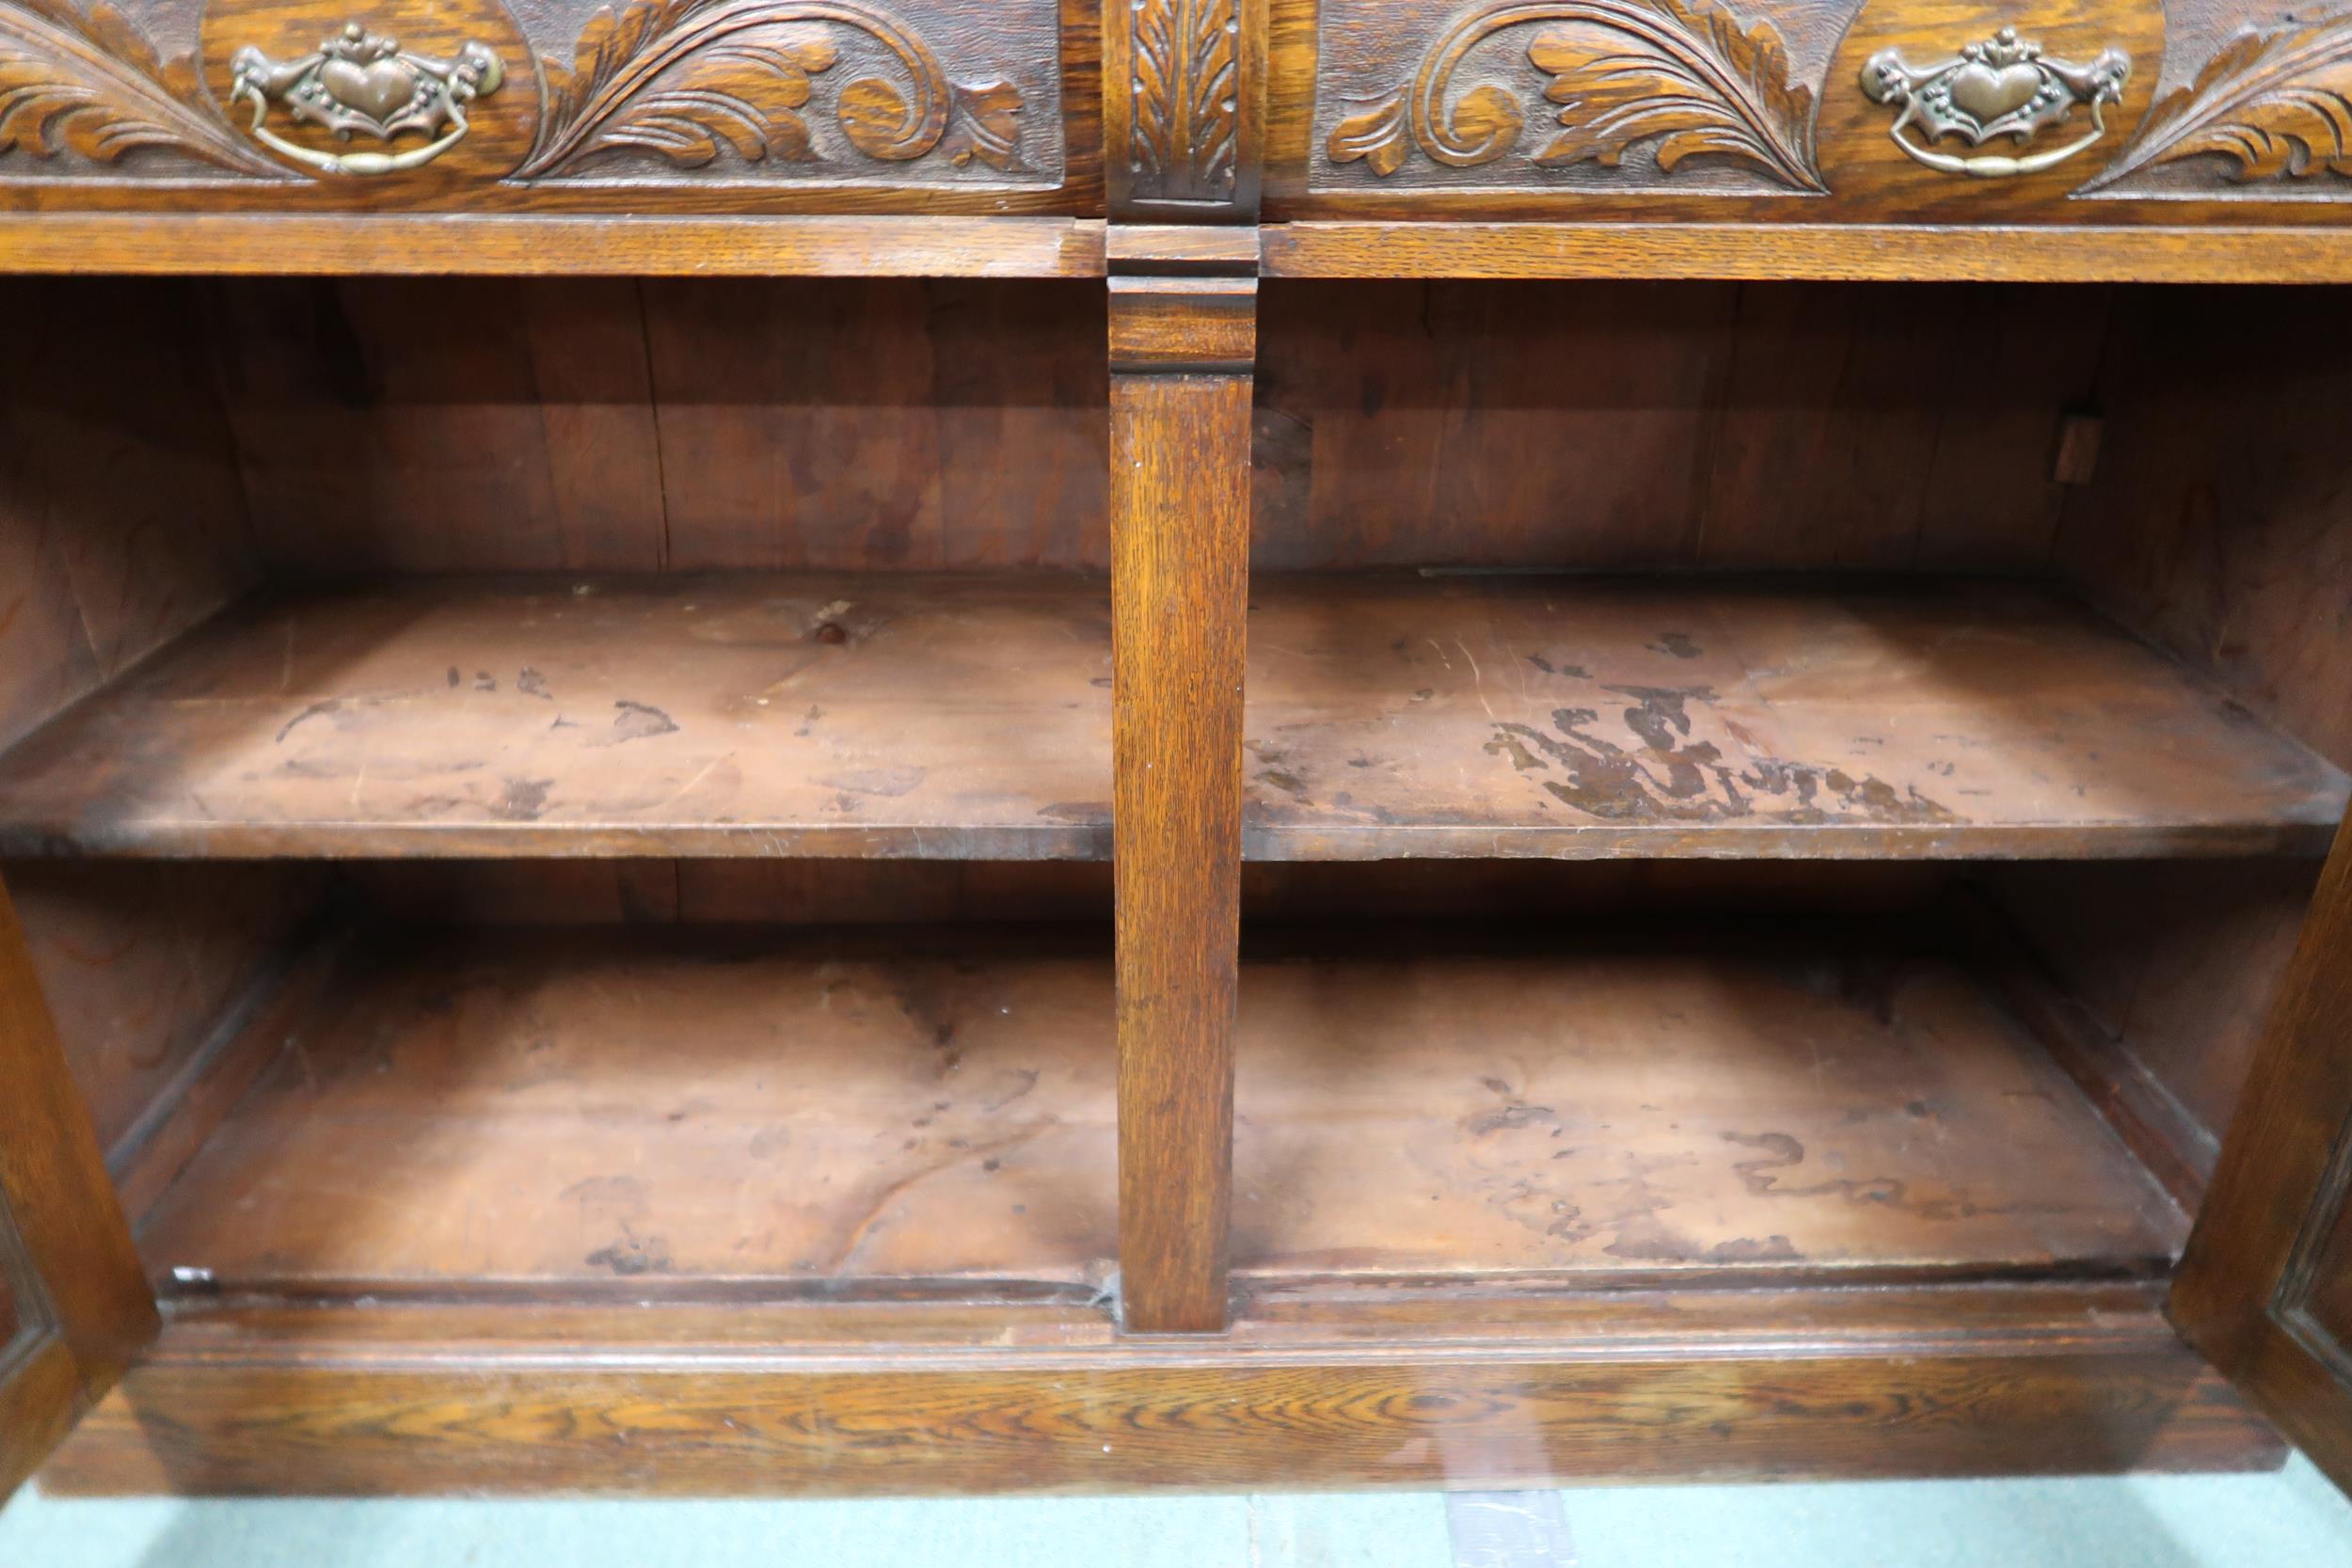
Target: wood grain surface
{"x":515,"y":1111}
{"x":765,"y":105}
{"x":1642,"y":1386}
{"x":1666,"y":112}
{"x":122,"y":518}
{"x":443,"y":244}
{"x":1449,"y":717}
{"x":67,"y":1230}
{"x":140,"y":964}
{"x":1647,"y":426}
{"x":2262,"y":1291}
{"x":963,"y":718}
{"x":2215,"y":526}
{"x":1578,"y":1097}
{"x":2172,"y":966}
{"x":1182,"y":349}
{"x":648,"y":424}
{"x":1762,"y":250}
{"x":624,"y":1111}
{"x":1483,"y":716}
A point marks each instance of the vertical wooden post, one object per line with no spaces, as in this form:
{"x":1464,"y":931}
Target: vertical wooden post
{"x":1182,"y":351}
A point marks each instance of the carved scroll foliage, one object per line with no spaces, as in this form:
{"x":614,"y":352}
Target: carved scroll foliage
{"x":1187,"y":94}
{"x":2275,"y":103}
{"x":92,"y":84}
{"x":690,"y":79}
{"x":1686,"y":79}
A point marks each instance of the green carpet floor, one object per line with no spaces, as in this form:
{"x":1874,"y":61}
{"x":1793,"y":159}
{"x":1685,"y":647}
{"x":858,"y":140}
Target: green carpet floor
{"x":2290,"y":1519}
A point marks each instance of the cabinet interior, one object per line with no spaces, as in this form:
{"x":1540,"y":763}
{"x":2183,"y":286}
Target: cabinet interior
{"x":599,"y":790}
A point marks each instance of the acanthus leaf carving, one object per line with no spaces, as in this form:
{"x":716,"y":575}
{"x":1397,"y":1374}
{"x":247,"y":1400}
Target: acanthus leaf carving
{"x":1689,"y":79}
{"x":1186,"y":98}
{"x":687,"y":78}
{"x":2274,"y":102}
{"x":1378,"y":136}
{"x":986,"y":129}
{"x":1696,"y":84}
{"x":94,"y":86}
{"x":742,"y":93}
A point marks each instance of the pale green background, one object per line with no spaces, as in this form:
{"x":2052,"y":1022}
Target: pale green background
{"x":2290,"y":1519}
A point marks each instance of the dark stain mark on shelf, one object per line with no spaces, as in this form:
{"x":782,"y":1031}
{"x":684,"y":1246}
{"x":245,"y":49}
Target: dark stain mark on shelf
{"x":640,"y":721}
{"x":523,"y":799}
{"x":1781,"y":1152}
{"x":886,"y":783}
{"x":632,"y":1255}
{"x":1672,"y":778}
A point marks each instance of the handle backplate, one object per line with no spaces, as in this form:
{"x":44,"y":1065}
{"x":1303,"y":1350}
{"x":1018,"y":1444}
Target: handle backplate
{"x":360,"y":83}
{"x":2001,"y":86}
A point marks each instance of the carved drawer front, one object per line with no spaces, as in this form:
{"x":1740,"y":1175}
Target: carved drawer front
{"x":2071,"y":111}
{"x":647,"y":104}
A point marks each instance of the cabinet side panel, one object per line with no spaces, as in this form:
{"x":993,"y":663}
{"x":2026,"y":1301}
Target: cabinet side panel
{"x":2220,"y":522}
{"x":144,"y":962}
{"x":122,"y":517}
{"x":122,"y":524}
{"x":2216,"y":522}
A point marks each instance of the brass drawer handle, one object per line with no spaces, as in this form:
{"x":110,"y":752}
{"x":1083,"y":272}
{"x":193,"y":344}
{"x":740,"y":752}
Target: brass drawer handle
{"x":363,"y":82}
{"x":1998,"y":88}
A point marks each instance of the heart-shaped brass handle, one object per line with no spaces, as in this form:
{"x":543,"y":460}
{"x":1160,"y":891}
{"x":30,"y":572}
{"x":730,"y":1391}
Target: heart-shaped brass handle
{"x":360,"y":83}
{"x":1999,"y":88}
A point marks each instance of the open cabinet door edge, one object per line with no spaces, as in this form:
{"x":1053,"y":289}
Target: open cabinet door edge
{"x":2265,"y":1291}
{"x":76,"y":1288}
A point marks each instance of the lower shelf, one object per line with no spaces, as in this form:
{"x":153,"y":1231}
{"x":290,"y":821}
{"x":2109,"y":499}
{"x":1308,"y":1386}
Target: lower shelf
{"x":616,"y":1113}
{"x":566,"y":1114}
{"x":748,"y":1211}
{"x":1746,"y":1100}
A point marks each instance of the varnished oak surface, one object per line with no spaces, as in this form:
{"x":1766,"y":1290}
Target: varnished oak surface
{"x":969,"y":718}
{"x":75,"y":1304}
{"x":2266,"y":1291}
{"x":621,"y":1109}
{"x":1591,"y":716}
{"x":1308,"y":1391}
{"x":921,"y":716}
{"x":1773,"y":252}
{"x":1020,"y":247}
{"x":1180,"y":350}
{"x":625,"y":1114}
{"x":488,"y":245}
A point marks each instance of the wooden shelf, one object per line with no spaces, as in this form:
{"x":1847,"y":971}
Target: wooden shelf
{"x":1745,"y":1101}
{"x":1782,"y":252}
{"x":968,"y":718}
{"x":1594,"y":718}
{"x":604,"y":1112}
{"x":552,"y":244}
{"x":907,"y":715}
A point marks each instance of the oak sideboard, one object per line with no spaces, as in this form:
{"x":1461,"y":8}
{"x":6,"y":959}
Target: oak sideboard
{"x":908,"y":745}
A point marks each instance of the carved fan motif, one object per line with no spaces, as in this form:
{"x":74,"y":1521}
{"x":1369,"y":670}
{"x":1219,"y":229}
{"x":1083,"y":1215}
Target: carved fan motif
{"x":689,"y":79}
{"x":1689,"y":80}
{"x":93,"y":86}
{"x":1187,"y":88}
{"x":2277,"y":102}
